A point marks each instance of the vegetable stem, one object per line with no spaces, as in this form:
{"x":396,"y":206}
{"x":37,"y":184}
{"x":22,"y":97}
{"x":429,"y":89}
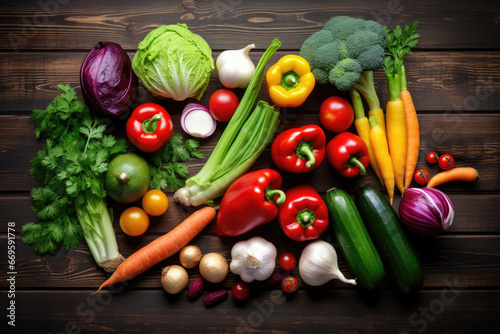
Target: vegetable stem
{"x":355,"y":161}
{"x":357,"y":104}
{"x":271,"y":193}
{"x":366,"y":86}
{"x":305,"y":151}
{"x":150,"y":125}
{"x":394,"y":84}
{"x":306,"y":218}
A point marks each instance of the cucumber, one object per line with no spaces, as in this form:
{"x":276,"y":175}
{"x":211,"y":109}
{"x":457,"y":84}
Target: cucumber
{"x":384,"y":226}
{"x":354,"y":240}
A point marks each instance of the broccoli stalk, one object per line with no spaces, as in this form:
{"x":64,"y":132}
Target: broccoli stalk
{"x":366,"y":87}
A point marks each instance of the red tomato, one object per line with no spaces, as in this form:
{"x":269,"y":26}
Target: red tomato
{"x":446,"y":162}
{"x":223,"y":104}
{"x":287,"y":261}
{"x":421,"y":176}
{"x":289,"y":284}
{"x":432,"y":158}
{"x":336,"y":114}
{"x":240,"y":291}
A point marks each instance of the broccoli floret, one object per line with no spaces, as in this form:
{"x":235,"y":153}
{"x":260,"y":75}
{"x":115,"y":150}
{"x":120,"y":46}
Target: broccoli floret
{"x":343,"y":49}
{"x":345,"y":74}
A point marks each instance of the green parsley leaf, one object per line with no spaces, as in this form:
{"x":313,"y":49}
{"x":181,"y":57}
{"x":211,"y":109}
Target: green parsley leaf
{"x":167,"y":166}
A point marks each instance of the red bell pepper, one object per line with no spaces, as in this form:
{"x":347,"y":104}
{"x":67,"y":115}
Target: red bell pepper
{"x":304,"y":215}
{"x":248,"y":202}
{"x":299,"y":150}
{"x":149,"y":127}
{"x":348,"y":154}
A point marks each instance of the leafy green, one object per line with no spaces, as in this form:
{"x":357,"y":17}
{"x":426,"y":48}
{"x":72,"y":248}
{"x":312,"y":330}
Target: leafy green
{"x":167,"y":165}
{"x":399,"y":43}
{"x":72,"y":164}
{"x":173,"y":62}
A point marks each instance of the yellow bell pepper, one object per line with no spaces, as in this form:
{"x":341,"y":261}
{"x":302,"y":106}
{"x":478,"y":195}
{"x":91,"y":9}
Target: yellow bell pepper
{"x":290,"y":81}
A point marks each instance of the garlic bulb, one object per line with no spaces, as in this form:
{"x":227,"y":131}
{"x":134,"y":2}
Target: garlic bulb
{"x":254,"y":259}
{"x":235,"y":67}
{"x":318,"y":264}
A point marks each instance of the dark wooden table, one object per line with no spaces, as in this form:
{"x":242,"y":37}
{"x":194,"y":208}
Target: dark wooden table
{"x":453,"y":74}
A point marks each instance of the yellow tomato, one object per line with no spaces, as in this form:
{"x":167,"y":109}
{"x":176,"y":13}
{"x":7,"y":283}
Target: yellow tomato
{"x":155,"y":202}
{"x":134,"y":221}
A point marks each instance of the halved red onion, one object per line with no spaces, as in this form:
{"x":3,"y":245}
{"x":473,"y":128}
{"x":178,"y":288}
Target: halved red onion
{"x":197,"y":121}
{"x":426,"y":211}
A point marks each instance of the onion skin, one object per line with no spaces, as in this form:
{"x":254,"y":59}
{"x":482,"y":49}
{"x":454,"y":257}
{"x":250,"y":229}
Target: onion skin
{"x":426,"y":211}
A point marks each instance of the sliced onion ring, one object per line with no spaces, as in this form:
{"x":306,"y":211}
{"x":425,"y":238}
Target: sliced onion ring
{"x":197,"y":121}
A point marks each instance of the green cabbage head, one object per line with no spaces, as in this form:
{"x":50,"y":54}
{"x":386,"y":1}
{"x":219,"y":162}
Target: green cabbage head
{"x":173,"y":62}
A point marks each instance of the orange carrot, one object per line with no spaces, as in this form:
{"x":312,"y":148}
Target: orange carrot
{"x":466,"y":174}
{"x":163,"y":247}
{"x":412,"y":136}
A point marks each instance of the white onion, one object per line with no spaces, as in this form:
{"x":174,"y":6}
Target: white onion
{"x":197,"y":121}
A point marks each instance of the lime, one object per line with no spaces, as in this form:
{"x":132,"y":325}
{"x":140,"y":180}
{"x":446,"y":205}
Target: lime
{"x":127,"y":178}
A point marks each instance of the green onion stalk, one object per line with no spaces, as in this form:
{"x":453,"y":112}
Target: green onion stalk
{"x":245,"y":137}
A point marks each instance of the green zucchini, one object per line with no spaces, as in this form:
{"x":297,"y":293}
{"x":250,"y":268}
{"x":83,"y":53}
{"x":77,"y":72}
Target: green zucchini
{"x":384,"y":226}
{"x":354,"y":240}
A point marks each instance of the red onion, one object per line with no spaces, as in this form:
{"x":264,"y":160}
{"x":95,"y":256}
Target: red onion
{"x":197,"y":121}
{"x":426,"y":211}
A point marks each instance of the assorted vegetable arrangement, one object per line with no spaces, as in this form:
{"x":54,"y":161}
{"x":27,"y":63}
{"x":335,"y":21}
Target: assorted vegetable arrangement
{"x":81,"y":164}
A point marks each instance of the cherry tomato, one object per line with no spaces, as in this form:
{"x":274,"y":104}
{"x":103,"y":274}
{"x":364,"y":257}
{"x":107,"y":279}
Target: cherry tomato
{"x":446,"y":162}
{"x":421,"y":176}
{"x":336,"y":114}
{"x":134,"y":221}
{"x":240,"y":291}
{"x":432,"y":158}
{"x":155,"y":202}
{"x":289,"y":284}
{"x":223,"y":104}
{"x":287,"y":261}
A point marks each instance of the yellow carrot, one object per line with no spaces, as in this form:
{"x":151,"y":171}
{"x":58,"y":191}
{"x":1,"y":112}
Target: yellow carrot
{"x":400,"y":41}
{"x":381,"y":151}
{"x":363,"y":129}
{"x":396,"y":130}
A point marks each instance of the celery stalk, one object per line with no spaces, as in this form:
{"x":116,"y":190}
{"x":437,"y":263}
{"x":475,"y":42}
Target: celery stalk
{"x":245,"y":137}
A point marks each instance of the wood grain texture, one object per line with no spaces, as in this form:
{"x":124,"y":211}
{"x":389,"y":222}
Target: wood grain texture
{"x":466,"y":82}
{"x":472,"y":139}
{"x":450,"y":311}
{"x":78,"y":24}
{"x":474,"y":260}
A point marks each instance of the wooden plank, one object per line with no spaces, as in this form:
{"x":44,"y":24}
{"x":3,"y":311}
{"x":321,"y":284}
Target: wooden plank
{"x":467,"y":82}
{"x":478,"y":218}
{"x":475,"y":260}
{"x":472,"y":139}
{"x":224,"y":24}
{"x":448,"y":310}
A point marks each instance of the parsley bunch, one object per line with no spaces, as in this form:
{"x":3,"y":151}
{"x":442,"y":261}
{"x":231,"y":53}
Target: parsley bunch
{"x":72,"y":166}
{"x":167,"y":166}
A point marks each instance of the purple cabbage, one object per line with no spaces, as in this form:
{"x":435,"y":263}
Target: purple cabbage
{"x":107,"y":79}
{"x":426,"y":211}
